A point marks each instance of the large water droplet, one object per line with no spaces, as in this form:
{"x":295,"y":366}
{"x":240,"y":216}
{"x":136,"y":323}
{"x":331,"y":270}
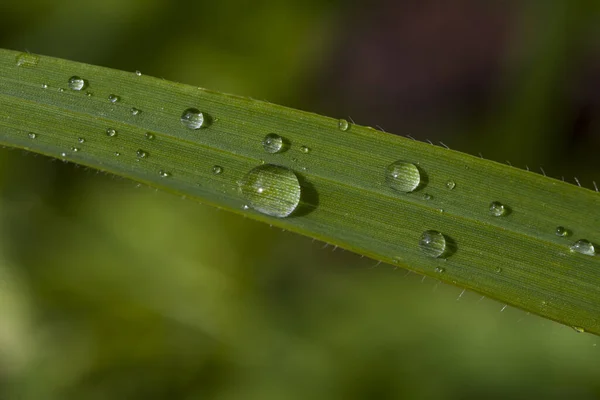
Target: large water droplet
{"x":76,"y":83}
{"x":192,"y":118}
{"x":343,"y":125}
{"x":111,"y":132}
{"x":562,"y":231}
{"x":272,"y":190}
{"x":584,"y":247}
{"x":113,"y":98}
{"x":402,"y":176}
{"x":273,"y":143}
{"x":433,"y":243}
{"x":27,"y":60}
{"x":498,"y":209}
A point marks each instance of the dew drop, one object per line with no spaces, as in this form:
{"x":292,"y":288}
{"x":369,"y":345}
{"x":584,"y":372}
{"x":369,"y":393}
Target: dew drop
{"x":584,"y":247}
{"x":32,"y":135}
{"x":164,"y":174}
{"x":402,"y":176}
{"x":562,"y":231}
{"x":61,"y":90}
{"x":117,"y":154}
{"x":440,"y":270}
{"x":450,"y":185}
{"x":273,"y":143}
{"x":272,"y":190}
{"x":578,"y":329}
{"x":63,"y":154}
{"x":76,"y":83}
{"x":498,"y":270}
{"x":141,"y":153}
{"x":27,"y":60}
{"x":81,"y":140}
{"x":217,"y":170}
{"x":343,"y":125}
{"x":89,"y":94}
{"x":305,"y":149}
{"x":498,"y":209}
{"x":44,"y":86}
{"x":135,"y":111}
{"x":113,"y":98}
{"x":192,"y":118}
{"x":149,"y":136}
{"x":138,"y":73}
{"x":75,"y":149}
{"x":433,"y":243}
{"x":111,"y":132}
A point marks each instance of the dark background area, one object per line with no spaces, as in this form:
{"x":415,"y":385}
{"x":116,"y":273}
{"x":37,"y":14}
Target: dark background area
{"x":109,"y":290}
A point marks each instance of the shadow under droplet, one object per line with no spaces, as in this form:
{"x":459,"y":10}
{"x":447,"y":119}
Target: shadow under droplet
{"x":309,"y":198}
{"x":424,"y":180}
{"x":451,"y":247}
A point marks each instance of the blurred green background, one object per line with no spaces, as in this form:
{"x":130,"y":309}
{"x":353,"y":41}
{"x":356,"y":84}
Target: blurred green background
{"x":113,"y":291}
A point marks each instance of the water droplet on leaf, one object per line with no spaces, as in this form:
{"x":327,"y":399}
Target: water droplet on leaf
{"x":305,"y":149}
{"x":450,"y":185}
{"x":272,"y":190}
{"x":111,"y":132}
{"x":149,"y":136}
{"x":164,"y":174}
{"x":402,"y":176}
{"x":562,"y":231}
{"x":27,"y":60}
{"x":76,"y":83}
{"x":498,"y":209}
{"x":135,"y":111}
{"x":582,"y":246}
{"x":113,"y":98}
{"x":343,"y":125}
{"x":192,"y":118}
{"x":273,"y":143}
{"x":81,"y":140}
{"x":217,"y":170}
{"x":32,"y":135}
{"x":433,"y":243}
{"x":578,"y":329}
{"x":141,"y":153}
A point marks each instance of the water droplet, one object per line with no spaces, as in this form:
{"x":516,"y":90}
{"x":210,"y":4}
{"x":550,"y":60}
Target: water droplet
{"x":141,"y":153}
{"x":402,"y":176}
{"x":138,"y":73}
{"x":75,"y":149}
{"x":192,"y":118}
{"x":32,"y":135}
{"x":63,"y":154}
{"x":498,"y":270}
{"x":584,"y":247}
{"x":27,"y":60}
{"x":61,"y":90}
{"x":427,"y":196}
{"x":149,"y":136}
{"x":111,"y":132}
{"x":343,"y":125}
{"x":440,"y":270}
{"x":135,"y":111}
{"x":117,"y":154}
{"x":89,"y":94}
{"x":44,"y":86}
{"x":562,"y":231}
{"x":76,"y":83}
{"x":81,"y":140}
{"x":305,"y":149}
{"x":578,"y":329}
{"x":272,"y":190}
{"x":164,"y":174}
{"x":450,"y":185}
{"x":433,"y":243}
{"x":217,"y":170}
{"x":273,"y":143}
{"x":113,"y":98}
{"x":498,"y":209}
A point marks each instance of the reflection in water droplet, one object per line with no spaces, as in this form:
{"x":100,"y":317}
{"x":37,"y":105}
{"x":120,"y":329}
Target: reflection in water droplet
{"x":149,"y":136}
{"x":402,"y":176}
{"x":27,"y":60}
{"x":192,"y":118}
{"x":562,"y":231}
{"x":111,"y":132}
{"x":273,"y":143}
{"x":450,"y":185}
{"x":32,"y":135}
{"x":498,"y":209}
{"x":76,"y":83}
{"x":217,"y":170}
{"x":113,"y":98}
{"x":164,"y":174}
{"x":135,"y":111}
{"x":582,"y":246}
{"x":343,"y":125}
{"x":141,"y":153}
{"x":433,"y":243}
{"x":272,"y":190}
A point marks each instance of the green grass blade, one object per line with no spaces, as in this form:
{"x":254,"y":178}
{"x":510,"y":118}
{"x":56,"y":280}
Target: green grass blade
{"x":345,"y":199}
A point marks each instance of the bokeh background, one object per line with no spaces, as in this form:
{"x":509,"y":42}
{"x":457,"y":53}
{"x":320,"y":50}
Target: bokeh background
{"x":112,"y":291}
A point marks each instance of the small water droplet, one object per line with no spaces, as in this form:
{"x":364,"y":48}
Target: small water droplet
{"x":44,"y":86}
{"x":89,"y":94}
{"x":149,"y":136}
{"x":164,"y":174}
{"x":498,"y":209}
{"x":433,"y":243}
{"x":138,"y":73}
{"x":272,"y":190}
{"x":192,"y":118}
{"x":32,"y":135}
{"x":402,"y":176}
{"x":305,"y":149}
{"x":450,"y":185}
{"x":562,"y":231}
{"x":63,"y":154}
{"x":81,"y":140}
{"x":113,"y":98}
{"x":584,"y":247}
{"x":27,"y":60}
{"x":117,"y":154}
{"x":61,"y":90}
{"x":111,"y":132}
{"x":273,"y":143}
{"x":498,"y":270}
{"x":76,"y":83}
{"x":578,"y":329}
{"x":75,"y":149}
{"x":440,"y":270}
{"x":141,"y":153}
{"x":217,"y":170}
{"x":343,"y":125}
{"x":135,"y":111}
{"x":245,"y":207}
{"x":427,"y":196}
